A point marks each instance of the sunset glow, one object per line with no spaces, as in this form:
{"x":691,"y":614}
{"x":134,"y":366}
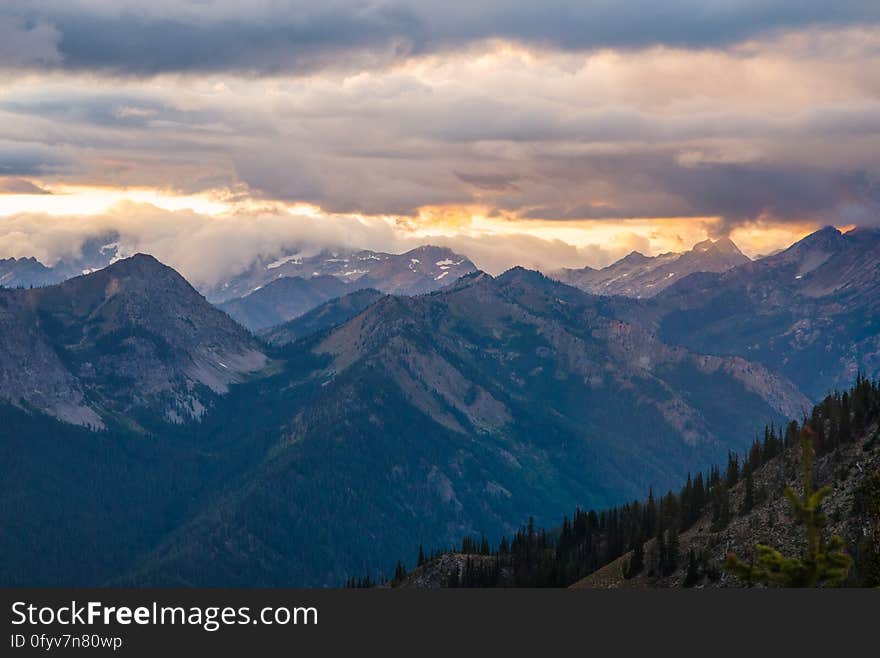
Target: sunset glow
{"x":583,"y":147}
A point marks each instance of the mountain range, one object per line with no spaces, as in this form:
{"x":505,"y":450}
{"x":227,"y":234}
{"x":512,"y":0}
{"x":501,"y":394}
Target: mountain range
{"x":639,"y":276}
{"x":810,"y":312}
{"x":417,"y":271}
{"x":465,"y":366}
{"x":528,"y":396}
{"x":270,"y":292}
{"x":374,"y":423}
{"x":95,"y":253}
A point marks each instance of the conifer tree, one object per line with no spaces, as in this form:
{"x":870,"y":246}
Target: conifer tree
{"x":658,"y":554}
{"x":732,"y":475}
{"x":637,"y":561}
{"x":693,"y":570}
{"x":671,"y":551}
{"x":720,"y":506}
{"x":650,"y":513}
{"x":399,"y":572}
{"x":821,"y":563}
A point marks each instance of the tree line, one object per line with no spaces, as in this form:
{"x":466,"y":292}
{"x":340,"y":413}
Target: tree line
{"x":588,"y":540}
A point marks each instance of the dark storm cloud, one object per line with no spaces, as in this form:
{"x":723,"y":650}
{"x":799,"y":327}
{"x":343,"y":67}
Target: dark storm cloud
{"x":658,"y":165}
{"x":23,"y":159}
{"x":652,"y":184}
{"x":25,"y":44}
{"x":783,"y":191}
{"x":739,"y":192}
{"x":265,"y":37}
{"x":489,"y":182}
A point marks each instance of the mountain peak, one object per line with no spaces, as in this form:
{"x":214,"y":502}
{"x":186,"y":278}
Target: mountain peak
{"x":429,"y":248}
{"x":634,"y":257}
{"x":637,"y":275}
{"x":469,"y":279}
{"x":727,"y":245}
{"x":139,"y":262}
{"x":721,"y":245}
{"x":432,"y":251}
{"x":23,"y":259}
{"x":136,"y":320}
{"x":141,"y":272}
{"x":422,"y":269}
{"x":520,"y":273}
{"x":827,"y":238}
{"x":828,"y":231}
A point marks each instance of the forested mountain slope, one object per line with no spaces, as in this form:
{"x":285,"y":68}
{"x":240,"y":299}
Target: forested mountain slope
{"x":683,"y":539}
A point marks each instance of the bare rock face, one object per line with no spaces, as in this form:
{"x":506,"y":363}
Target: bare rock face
{"x":133,"y":335}
{"x":32,"y":373}
{"x":642,"y":276}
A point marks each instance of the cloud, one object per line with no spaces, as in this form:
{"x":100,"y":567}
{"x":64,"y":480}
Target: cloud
{"x":498,"y":253}
{"x":26,"y":45}
{"x":657,"y":184}
{"x":203,"y":248}
{"x":209,"y":249}
{"x":28,"y":159}
{"x":303,"y":36}
{"x":488,"y":181}
{"x":559,"y":120}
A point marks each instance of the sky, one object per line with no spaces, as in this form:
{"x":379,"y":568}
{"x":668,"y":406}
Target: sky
{"x":545,"y":134}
